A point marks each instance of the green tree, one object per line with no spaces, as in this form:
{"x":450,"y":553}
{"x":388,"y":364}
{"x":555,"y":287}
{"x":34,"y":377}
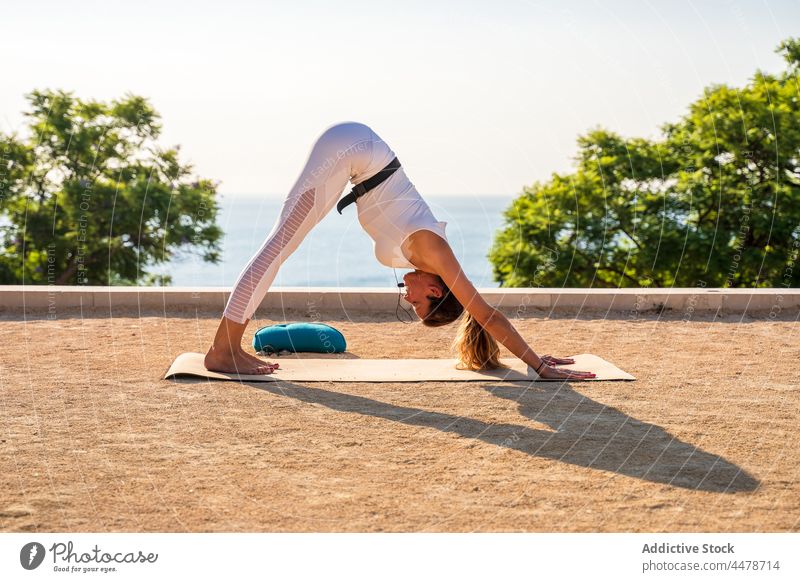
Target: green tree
{"x":89,"y":197}
{"x":714,"y":202}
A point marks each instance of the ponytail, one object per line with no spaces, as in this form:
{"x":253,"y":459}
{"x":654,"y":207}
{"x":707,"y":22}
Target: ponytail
{"x":475,"y":347}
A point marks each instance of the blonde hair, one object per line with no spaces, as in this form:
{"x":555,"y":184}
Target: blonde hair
{"x":475,"y":348}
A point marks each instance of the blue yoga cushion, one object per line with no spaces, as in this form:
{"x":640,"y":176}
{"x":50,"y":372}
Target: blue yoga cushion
{"x":299,"y":337}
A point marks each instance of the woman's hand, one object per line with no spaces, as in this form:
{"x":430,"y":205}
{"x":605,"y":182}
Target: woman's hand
{"x":550,"y":373}
{"x":553,"y":361}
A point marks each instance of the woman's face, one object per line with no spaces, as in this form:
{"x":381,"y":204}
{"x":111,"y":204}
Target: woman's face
{"x":419,"y":286}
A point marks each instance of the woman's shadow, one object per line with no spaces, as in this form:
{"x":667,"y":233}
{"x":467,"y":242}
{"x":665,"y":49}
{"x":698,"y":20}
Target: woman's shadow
{"x":584,"y":433}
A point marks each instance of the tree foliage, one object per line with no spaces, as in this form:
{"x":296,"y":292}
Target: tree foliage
{"x":89,"y":197}
{"x":714,"y":202}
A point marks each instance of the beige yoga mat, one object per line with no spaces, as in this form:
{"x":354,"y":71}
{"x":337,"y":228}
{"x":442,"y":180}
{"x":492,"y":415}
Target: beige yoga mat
{"x":332,"y":369}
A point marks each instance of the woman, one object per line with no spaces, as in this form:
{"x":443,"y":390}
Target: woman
{"x":406,"y":235}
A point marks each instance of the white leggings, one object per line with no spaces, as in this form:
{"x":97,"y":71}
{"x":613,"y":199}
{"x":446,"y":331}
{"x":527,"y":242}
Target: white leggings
{"x":344,"y":152}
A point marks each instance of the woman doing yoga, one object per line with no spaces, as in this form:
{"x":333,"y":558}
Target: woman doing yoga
{"x":406,"y":235}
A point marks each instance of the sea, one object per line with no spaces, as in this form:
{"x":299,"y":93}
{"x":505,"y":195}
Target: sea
{"x":337,"y":252}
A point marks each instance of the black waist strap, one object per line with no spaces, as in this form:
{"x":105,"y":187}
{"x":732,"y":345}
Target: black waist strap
{"x":367,"y":185}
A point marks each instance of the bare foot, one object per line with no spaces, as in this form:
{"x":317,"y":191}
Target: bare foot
{"x":238,"y":362}
{"x":258,"y":361}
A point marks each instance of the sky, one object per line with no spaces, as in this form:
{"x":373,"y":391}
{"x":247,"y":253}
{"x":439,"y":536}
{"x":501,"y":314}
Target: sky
{"x":475,"y":98}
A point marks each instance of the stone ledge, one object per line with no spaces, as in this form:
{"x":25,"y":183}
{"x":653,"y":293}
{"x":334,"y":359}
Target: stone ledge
{"x":372,"y":299}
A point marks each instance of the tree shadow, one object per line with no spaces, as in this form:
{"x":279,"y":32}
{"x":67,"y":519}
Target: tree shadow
{"x":585,"y":433}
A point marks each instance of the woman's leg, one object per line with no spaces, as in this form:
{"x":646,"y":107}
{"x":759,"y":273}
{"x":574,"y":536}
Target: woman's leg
{"x":314,"y":194}
{"x":226,"y":353}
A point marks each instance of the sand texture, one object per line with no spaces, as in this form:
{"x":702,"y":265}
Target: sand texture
{"x":706,"y":438}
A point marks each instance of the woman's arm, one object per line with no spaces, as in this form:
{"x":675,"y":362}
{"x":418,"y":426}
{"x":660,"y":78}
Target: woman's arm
{"x":441,"y":257}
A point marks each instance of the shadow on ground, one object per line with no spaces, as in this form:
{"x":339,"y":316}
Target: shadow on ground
{"x":585,"y":433}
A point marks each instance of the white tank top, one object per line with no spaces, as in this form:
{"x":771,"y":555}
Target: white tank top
{"x":393,"y":210}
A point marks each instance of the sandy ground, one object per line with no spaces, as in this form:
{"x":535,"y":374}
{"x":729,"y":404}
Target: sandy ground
{"x":705,"y":440}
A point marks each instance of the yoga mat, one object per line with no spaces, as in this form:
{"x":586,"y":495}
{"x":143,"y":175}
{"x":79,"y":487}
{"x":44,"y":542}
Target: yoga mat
{"x":297,"y":369}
